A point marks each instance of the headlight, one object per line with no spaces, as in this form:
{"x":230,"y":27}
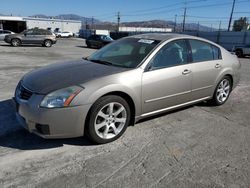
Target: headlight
{"x":61,"y":97}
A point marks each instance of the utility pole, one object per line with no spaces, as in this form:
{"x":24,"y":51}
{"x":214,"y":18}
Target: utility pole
{"x":220,"y":26}
{"x":118,"y":21}
{"x":184,"y":19}
{"x":175,"y":22}
{"x":92,"y":22}
{"x":230,"y":20}
{"x":198,"y":26}
{"x":86,"y":24}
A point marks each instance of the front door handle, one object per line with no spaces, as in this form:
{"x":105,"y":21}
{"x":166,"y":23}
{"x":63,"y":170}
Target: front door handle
{"x":186,"y":71}
{"x":217,"y":66}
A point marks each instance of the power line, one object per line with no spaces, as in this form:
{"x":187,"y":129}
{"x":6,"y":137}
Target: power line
{"x":217,"y":4}
{"x":152,"y":13}
{"x":206,"y":17}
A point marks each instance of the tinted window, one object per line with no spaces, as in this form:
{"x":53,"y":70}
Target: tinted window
{"x":174,"y":53}
{"x":201,"y":51}
{"x":29,"y":32}
{"x":94,"y":37}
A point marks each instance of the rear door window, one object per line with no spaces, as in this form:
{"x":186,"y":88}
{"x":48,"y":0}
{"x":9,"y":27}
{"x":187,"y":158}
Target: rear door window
{"x":216,"y":52}
{"x":201,"y":51}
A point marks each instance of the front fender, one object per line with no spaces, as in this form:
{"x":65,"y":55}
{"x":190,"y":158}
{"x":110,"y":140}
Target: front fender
{"x":125,"y":83}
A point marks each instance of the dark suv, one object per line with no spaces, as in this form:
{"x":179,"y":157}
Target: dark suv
{"x":32,"y":36}
{"x":98,"y":41}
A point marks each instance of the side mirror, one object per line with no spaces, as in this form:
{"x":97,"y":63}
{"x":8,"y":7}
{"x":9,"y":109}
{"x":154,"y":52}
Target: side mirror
{"x":85,"y":58}
{"x":25,"y":34}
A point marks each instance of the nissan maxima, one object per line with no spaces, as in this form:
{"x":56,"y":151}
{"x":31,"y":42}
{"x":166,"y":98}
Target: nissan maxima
{"x":125,"y":81}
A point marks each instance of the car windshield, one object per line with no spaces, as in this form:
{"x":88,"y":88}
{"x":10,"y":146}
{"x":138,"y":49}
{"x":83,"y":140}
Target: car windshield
{"x":128,"y":52}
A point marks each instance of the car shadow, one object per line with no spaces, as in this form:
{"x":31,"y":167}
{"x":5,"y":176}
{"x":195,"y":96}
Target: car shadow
{"x":12,"y":135}
{"x":201,"y":104}
{"x":23,"y":45}
{"x":82,"y":47}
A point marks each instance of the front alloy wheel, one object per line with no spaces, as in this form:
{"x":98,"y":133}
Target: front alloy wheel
{"x":15,"y":42}
{"x":109,"y":118}
{"x":47,"y":43}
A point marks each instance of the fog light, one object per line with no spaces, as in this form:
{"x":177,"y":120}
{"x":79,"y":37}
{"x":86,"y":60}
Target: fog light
{"x":42,"y":129}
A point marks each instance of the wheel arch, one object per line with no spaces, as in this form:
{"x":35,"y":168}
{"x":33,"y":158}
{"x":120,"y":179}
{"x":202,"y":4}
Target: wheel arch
{"x":129,"y":100}
{"x":123,"y":95}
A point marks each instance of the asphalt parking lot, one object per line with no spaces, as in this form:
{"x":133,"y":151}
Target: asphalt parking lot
{"x":199,"y":146}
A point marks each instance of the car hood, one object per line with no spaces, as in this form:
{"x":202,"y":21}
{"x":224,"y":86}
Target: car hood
{"x":60,"y":75}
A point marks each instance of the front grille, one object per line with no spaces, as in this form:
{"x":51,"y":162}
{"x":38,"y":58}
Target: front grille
{"x":23,"y":93}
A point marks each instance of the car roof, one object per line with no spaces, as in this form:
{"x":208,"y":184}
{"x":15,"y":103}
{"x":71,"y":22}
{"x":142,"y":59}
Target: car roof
{"x":161,"y":36}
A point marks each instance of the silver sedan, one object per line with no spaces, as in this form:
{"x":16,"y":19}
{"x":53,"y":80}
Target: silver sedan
{"x":127,"y":80}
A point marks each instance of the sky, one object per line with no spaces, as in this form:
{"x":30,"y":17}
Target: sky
{"x":206,"y":12}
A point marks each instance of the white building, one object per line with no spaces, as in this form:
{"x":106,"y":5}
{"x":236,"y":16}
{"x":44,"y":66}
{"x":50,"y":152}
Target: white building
{"x":18,"y":24}
{"x":144,"y":29}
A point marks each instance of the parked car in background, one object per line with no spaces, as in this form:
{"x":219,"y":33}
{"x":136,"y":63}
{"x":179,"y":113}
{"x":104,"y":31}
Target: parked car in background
{"x":3,"y":33}
{"x":64,"y":34}
{"x":32,"y":36}
{"x":242,"y":51}
{"x":123,"y":82}
{"x":98,"y":41}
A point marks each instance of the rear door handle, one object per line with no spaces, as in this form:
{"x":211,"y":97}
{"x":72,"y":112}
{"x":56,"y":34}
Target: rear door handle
{"x":186,"y":71}
{"x":217,"y":66}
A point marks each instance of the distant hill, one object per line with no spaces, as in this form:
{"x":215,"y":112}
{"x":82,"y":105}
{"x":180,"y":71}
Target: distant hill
{"x":149,"y":23}
{"x":167,"y":24}
{"x":69,"y":17}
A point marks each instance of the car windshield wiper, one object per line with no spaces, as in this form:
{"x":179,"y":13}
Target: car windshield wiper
{"x":101,"y":62}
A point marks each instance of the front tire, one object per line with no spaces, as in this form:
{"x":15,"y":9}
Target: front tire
{"x":108,"y":119}
{"x":239,"y":53}
{"x":88,"y":45}
{"x":15,"y":42}
{"x":222,"y":91}
{"x":47,"y":43}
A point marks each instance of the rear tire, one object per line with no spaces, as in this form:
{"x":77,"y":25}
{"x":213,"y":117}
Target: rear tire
{"x":15,"y":42}
{"x":222,"y":91}
{"x":108,"y":119}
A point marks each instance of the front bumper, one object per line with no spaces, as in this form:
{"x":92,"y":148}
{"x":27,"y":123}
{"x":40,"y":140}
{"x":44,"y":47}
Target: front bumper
{"x":54,"y":41}
{"x":51,"y":123}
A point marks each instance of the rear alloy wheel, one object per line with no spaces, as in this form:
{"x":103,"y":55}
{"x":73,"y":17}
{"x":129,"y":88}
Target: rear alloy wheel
{"x":47,"y":43}
{"x":222,"y":91}
{"x":15,"y":42}
{"x":109,"y":118}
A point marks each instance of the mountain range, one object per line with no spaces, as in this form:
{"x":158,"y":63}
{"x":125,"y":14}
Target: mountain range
{"x":149,"y":23}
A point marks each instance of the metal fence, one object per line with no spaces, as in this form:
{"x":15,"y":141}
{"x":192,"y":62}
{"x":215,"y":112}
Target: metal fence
{"x":224,"y":38}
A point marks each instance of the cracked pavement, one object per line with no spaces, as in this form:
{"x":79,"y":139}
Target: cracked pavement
{"x":198,"y":146}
